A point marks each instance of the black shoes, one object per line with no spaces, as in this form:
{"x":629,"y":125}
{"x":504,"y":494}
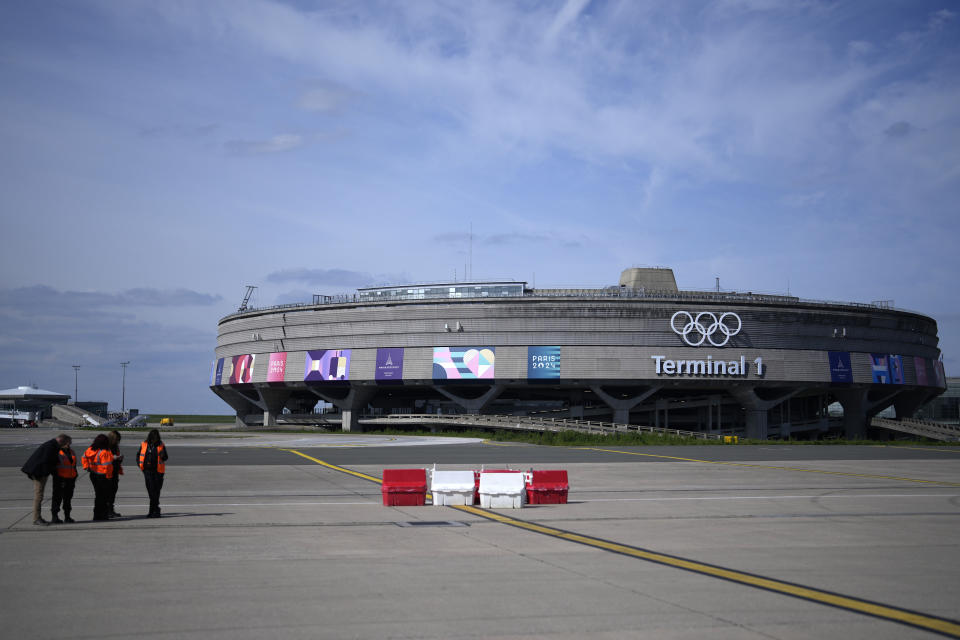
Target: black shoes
{"x":114,"y":514}
{"x":68,"y":519}
{"x":56,"y":520}
{"x":153,"y":514}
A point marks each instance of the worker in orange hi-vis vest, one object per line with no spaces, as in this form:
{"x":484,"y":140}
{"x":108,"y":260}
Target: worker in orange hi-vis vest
{"x":98,"y":460}
{"x":152,"y":461}
{"x":64,"y":480}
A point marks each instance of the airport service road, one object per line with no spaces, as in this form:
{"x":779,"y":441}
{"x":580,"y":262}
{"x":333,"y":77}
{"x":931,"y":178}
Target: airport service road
{"x":657,"y":542}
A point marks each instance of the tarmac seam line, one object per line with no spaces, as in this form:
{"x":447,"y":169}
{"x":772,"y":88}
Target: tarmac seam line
{"x":942,"y":626}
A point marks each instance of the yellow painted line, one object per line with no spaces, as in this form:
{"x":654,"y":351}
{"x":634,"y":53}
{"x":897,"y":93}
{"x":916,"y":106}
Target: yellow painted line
{"x":335,"y":467}
{"x":942,"y":626}
{"x":778,"y":468}
{"x":342,"y":469}
{"x":886,"y":612}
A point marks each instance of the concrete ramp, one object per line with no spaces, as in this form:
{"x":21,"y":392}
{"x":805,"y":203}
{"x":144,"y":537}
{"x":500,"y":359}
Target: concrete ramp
{"x":932,"y":430}
{"x":75,"y":416}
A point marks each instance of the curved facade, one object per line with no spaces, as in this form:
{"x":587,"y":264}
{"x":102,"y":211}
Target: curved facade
{"x":723,"y":362}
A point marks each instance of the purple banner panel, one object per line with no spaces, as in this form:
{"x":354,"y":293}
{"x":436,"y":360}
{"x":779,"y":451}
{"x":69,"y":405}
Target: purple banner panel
{"x":920,"y":364}
{"x":940,"y":373}
{"x":277,"y":368}
{"x":389,"y":363}
{"x":218,"y":377}
{"x":327,"y":364}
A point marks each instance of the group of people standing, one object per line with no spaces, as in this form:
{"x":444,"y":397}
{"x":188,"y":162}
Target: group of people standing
{"x":104,"y":462}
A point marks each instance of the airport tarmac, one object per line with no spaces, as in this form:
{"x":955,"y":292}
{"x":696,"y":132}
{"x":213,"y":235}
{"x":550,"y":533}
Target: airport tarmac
{"x":281,"y":535}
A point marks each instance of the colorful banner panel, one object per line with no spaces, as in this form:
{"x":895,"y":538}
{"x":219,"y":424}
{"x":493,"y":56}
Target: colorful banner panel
{"x":463,"y":363}
{"x":327,"y":364}
{"x":389,"y":364}
{"x":543,"y":362}
{"x":241,"y":371}
{"x":218,"y":377}
{"x":887,"y":368}
{"x":920,"y":364}
{"x":881,"y":370}
{"x":277,"y":368}
{"x":840,"y":368}
{"x":940,"y":373}
{"x":896,"y":369}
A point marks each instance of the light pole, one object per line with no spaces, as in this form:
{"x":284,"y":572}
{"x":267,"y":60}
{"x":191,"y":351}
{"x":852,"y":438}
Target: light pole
{"x":76,"y":376}
{"x":123,"y":397}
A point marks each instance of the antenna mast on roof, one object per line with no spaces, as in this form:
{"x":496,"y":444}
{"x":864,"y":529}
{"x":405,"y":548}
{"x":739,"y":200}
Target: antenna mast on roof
{"x":470,"y":273}
{"x":246,"y":298}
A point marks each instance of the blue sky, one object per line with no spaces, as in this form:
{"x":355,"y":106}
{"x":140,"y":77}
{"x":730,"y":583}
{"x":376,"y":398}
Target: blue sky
{"x":159,"y":157}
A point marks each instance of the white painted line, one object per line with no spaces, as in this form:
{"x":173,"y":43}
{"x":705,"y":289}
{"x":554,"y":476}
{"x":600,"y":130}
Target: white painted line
{"x":819,"y":497}
{"x":77,"y":505}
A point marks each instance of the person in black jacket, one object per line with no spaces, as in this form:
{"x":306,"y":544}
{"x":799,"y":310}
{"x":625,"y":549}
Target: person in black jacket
{"x":38,"y":466}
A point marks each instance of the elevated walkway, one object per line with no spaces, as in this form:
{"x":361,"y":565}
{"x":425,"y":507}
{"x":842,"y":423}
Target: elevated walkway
{"x":527,"y":423}
{"x":72,"y":415}
{"x":932,"y":430}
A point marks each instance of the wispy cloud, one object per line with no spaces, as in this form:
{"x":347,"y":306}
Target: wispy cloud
{"x":332,"y":277}
{"x":276,"y":144}
{"x":47,"y":299}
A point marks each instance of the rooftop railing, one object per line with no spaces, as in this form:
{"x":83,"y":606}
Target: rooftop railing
{"x":609,"y":292}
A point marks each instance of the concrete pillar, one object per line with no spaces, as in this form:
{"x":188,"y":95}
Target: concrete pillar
{"x":622,"y":406}
{"x":273,"y":401}
{"x":351,"y":405}
{"x":576,"y":405}
{"x":756,"y":409}
{"x":474,"y":405}
{"x":854,"y":402}
{"x":350,"y":421}
{"x":757,"y":424}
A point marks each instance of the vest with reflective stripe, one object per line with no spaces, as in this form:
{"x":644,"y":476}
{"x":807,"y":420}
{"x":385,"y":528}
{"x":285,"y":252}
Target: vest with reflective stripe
{"x":99,"y":462}
{"x":161,"y":468}
{"x":67,"y":464}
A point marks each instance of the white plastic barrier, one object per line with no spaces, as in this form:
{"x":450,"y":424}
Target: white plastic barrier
{"x":501,"y":490}
{"x":452,"y":487}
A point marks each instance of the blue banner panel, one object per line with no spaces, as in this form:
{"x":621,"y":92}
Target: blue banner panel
{"x":840,"y":367}
{"x":543,"y":362}
{"x":881,"y":369}
{"x":896,"y":369}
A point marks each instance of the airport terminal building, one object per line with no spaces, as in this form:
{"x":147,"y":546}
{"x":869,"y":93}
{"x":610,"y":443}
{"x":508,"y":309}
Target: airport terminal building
{"x":640,"y":352}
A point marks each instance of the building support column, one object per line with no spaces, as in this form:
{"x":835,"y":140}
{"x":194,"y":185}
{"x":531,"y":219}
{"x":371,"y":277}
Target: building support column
{"x":473,"y":405}
{"x":859,"y":409}
{"x":240,"y":403}
{"x":622,"y":406}
{"x":351,"y":405}
{"x":273,"y":401}
{"x":757,"y":408}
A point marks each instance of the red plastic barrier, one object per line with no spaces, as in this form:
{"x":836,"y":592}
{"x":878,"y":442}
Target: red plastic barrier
{"x":404,"y":487}
{"x":547,"y":487}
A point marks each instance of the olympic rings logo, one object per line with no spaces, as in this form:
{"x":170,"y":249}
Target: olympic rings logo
{"x":705,"y":327}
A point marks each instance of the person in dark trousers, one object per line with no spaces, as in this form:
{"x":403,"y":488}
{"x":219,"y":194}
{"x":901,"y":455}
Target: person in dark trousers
{"x":38,"y":466}
{"x":98,"y":460}
{"x":114,"y":439}
{"x":152,"y":459}
{"x":64,"y":480}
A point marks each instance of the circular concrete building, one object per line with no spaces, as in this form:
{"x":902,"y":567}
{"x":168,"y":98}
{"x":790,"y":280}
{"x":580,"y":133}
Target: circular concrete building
{"x":641,"y":352}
